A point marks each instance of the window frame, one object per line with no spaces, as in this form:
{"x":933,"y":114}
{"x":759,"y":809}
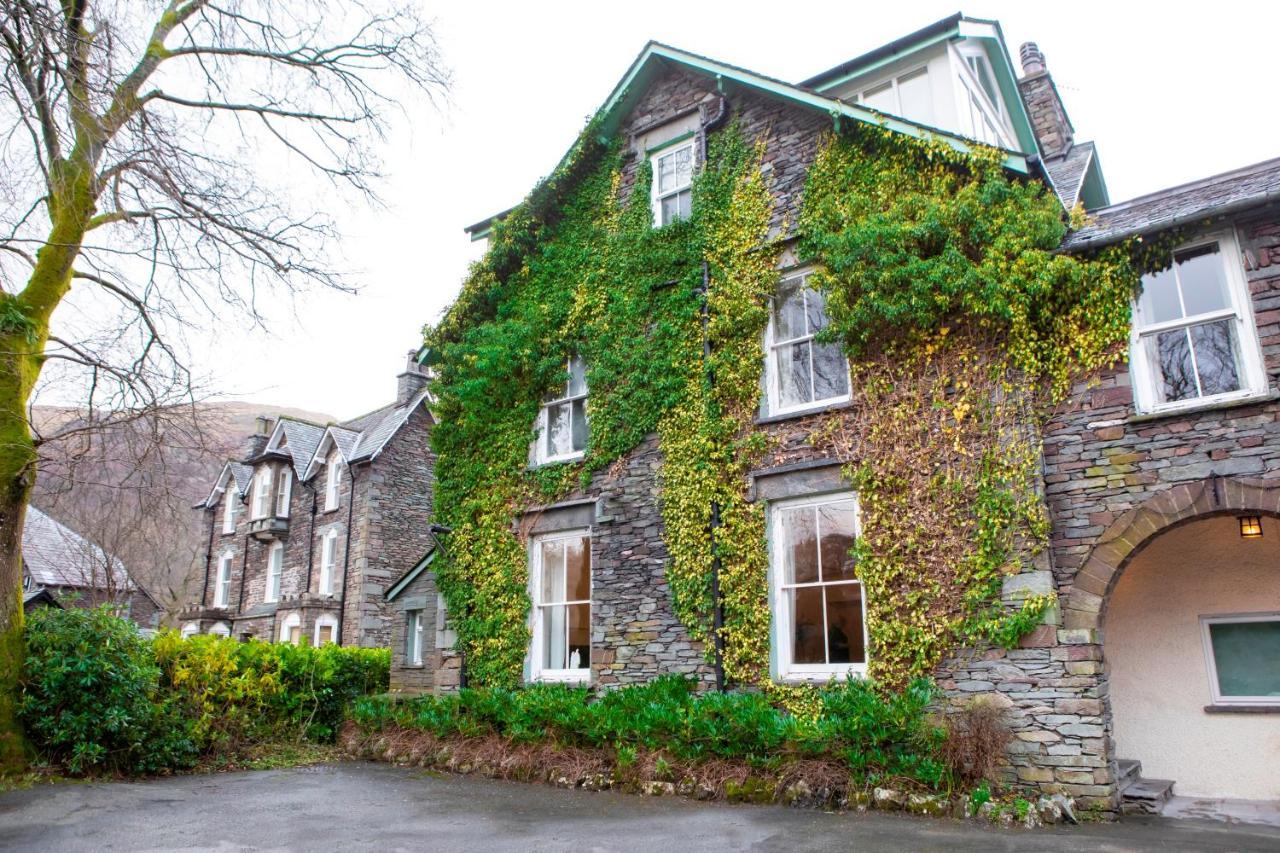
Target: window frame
{"x":688,"y":140}
{"x":332,"y":482}
{"x":189,"y":630}
{"x":413,"y":635}
{"x":229,"y":497}
{"x":220,"y":629}
{"x":893,"y":83}
{"x":540,"y":455}
{"x":222,"y":586}
{"x":328,"y":562}
{"x":773,"y":382}
{"x":275,"y":573}
{"x":293,"y":620}
{"x":1251,"y":367}
{"x":537,"y":672}
{"x":1211,"y":663}
{"x":263,"y":479}
{"x":284,"y":492}
{"x":786,"y":671}
{"x":324,"y":620}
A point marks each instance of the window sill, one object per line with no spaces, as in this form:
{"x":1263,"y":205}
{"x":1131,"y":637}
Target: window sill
{"x":821,"y":409}
{"x":558,"y":460}
{"x":1242,"y":709}
{"x":1232,"y":403}
{"x":821,"y":677}
{"x":583,"y":680}
{"x":330,"y":510}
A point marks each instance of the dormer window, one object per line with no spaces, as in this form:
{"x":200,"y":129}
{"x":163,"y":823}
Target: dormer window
{"x":562,"y":424}
{"x":672,"y":183}
{"x":262,"y":492}
{"x":332,"y":477}
{"x":229,"y":499}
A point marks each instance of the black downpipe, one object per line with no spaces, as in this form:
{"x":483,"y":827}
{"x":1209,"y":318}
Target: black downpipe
{"x":717,"y":609}
{"x":346,"y":554}
{"x":208,"y":555}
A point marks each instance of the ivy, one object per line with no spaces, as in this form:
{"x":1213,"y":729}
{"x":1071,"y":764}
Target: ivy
{"x":962,"y":322}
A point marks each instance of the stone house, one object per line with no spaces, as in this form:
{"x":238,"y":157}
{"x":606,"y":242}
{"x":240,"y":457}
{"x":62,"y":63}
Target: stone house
{"x":1161,"y":651}
{"x":306,"y":531}
{"x":61,"y":568}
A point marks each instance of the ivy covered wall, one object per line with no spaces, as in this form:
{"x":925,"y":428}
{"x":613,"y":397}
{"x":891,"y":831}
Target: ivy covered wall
{"x":944,"y":287}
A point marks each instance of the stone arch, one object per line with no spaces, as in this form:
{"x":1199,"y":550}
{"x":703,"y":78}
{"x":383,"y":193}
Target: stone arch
{"x":1129,"y":534}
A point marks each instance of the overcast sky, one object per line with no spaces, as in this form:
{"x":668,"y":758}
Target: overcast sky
{"x":1170,"y":92}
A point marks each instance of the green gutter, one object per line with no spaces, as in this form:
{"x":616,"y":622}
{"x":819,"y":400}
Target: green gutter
{"x":891,"y":58}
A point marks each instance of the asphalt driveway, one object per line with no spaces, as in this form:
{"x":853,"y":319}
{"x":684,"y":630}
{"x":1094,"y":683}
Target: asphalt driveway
{"x":367,"y":806}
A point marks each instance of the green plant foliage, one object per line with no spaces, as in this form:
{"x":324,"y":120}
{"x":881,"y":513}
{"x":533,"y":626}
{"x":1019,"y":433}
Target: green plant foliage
{"x":98,"y":697}
{"x":880,"y":735}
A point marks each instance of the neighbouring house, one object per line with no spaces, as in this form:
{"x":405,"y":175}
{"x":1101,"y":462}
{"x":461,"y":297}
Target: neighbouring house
{"x":1159,"y":479}
{"x":61,"y":568}
{"x":306,"y":531}
{"x":423,"y":659}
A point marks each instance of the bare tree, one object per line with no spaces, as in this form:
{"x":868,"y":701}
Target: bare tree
{"x":145,"y":147}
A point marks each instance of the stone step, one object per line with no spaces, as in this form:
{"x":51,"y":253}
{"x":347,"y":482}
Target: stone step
{"x":1145,"y":796}
{"x":1130,"y":770}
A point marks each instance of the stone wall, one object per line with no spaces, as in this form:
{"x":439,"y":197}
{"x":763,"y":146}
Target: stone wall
{"x":441,"y":665}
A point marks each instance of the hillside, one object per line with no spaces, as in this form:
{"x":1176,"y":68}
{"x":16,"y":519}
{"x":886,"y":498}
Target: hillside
{"x":131,"y":487}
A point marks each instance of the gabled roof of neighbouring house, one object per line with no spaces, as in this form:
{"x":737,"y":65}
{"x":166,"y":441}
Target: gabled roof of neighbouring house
{"x":1076,"y":176}
{"x":657,"y":58}
{"x":362,"y":439}
{"x":296,"y":439}
{"x":1218,"y":195}
{"x":232,"y":471}
{"x":55,"y":555}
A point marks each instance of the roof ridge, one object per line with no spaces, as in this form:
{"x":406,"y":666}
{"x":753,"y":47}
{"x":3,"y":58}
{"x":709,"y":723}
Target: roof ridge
{"x":1259,"y":166}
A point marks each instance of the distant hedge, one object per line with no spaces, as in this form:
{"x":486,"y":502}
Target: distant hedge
{"x":98,"y":697}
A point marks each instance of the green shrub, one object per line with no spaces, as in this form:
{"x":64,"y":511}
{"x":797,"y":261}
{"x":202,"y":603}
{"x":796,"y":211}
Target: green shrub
{"x":91,"y":698}
{"x":96,"y":696}
{"x":879,"y":736}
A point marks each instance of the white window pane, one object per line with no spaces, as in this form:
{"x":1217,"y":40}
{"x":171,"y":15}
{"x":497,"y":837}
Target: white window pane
{"x":915,"y":97}
{"x":844,"y":624}
{"x":579,"y":425}
{"x":1247,"y":658}
{"x":800,"y":545}
{"x":675,"y":170}
{"x":788,"y":310}
{"x":1170,"y":356}
{"x":815,"y":310}
{"x":880,"y":98}
{"x":670,"y":209}
{"x":830,"y":372}
{"x":837,"y":523}
{"x":579,"y":631}
{"x":807,"y":632}
{"x":554,"y":641}
{"x":577,"y":376}
{"x":1204,"y":280}
{"x":1159,"y":300}
{"x":552,"y":572}
{"x":577,"y":559}
{"x":1215,"y":352}
{"x":559,"y":429}
{"x":793,"y":374}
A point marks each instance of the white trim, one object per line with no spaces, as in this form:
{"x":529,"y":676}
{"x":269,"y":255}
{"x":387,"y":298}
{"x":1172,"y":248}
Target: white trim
{"x":1250,"y":365}
{"x":773,"y":388}
{"x":325,"y":620}
{"x":189,"y":630}
{"x":655,"y":197}
{"x":219,"y":629}
{"x":413,"y":637}
{"x":781,"y":629}
{"x":229,"y":497}
{"x":1211,"y":662}
{"x":328,"y":561}
{"x":222,"y":583}
{"x":275,"y":573}
{"x":539,"y":455}
{"x":580,"y":675}
{"x":293,"y":620}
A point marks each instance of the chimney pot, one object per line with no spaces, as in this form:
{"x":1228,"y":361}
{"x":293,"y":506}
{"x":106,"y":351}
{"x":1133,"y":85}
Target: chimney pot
{"x":262,"y":425}
{"x":1032,"y":59}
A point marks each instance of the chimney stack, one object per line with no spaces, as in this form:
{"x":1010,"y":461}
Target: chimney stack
{"x":413,"y":380}
{"x":1053,"y":129}
{"x":257,"y":440}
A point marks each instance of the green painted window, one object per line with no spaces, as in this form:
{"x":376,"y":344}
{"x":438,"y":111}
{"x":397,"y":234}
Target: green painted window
{"x":1246,"y":657}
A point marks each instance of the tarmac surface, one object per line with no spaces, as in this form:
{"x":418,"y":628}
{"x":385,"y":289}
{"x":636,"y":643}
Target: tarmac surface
{"x":367,"y":806}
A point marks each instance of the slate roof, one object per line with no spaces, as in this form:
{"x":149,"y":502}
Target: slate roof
{"x":375,"y":432}
{"x":1068,"y":172}
{"x":55,"y":555}
{"x":1218,"y":195}
{"x":243,"y":475}
{"x":303,"y":439}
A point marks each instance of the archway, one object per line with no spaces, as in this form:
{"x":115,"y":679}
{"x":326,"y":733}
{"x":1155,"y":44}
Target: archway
{"x":1188,"y":612}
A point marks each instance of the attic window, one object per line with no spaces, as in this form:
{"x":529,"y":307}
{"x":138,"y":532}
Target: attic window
{"x":672,"y":183}
{"x":907,"y":95}
{"x":982,"y":70}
